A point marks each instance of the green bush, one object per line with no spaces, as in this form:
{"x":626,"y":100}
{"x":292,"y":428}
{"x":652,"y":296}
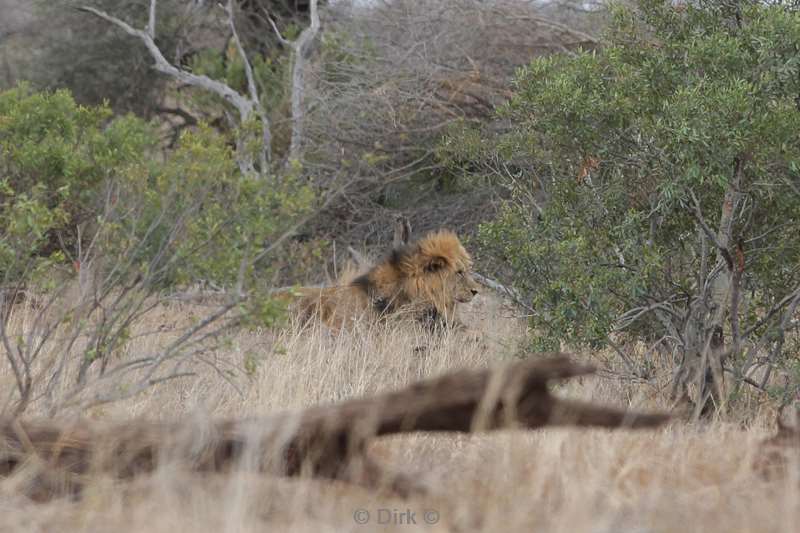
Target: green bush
{"x":685,"y":110}
{"x":77,"y":184}
{"x":98,"y":227}
{"x":56,"y":161}
{"x":218,"y":218}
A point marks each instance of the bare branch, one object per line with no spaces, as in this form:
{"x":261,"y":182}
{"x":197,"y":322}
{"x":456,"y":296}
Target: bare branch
{"x":583,"y":37}
{"x":248,"y":69}
{"x":625,"y":358}
{"x":244,"y":106}
{"x":266,"y":154}
{"x":402,"y":231}
{"x":515,"y":296}
{"x":278,"y":32}
{"x":630,"y":316}
{"x":300,"y":48}
{"x":790,"y":298}
{"x":151,"y":20}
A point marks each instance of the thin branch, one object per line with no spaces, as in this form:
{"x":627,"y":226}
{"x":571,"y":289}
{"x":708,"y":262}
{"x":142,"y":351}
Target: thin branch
{"x":361,"y":261}
{"x":248,"y":69}
{"x":745,"y":379}
{"x":789,"y":298}
{"x":630,"y":316}
{"x":187,"y":117}
{"x":584,"y":37}
{"x":736,"y":280}
{"x":281,"y":39}
{"x":293,"y":229}
{"x":151,"y":20}
{"x":515,"y":296}
{"x":14,"y":366}
{"x":266,"y":154}
{"x":698,"y":214}
{"x":244,"y":106}
{"x":625,"y":358}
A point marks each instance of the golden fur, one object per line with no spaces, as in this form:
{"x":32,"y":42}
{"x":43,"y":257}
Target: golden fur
{"x":424,"y":280}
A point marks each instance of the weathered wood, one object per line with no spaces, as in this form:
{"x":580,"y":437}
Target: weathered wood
{"x":324,"y":441}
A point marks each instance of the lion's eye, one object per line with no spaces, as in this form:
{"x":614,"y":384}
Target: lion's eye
{"x":460,"y":272}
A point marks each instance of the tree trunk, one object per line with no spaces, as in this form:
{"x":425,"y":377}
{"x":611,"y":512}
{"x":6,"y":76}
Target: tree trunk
{"x":721,"y":290}
{"x":301,"y":47}
{"x":704,"y":350}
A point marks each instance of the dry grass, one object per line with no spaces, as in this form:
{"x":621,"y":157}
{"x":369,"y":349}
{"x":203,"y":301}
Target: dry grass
{"x":675,"y":479}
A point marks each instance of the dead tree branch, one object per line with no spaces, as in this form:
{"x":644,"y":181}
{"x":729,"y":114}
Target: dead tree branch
{"x":151,"y":20}
{"x":299,"y":48}
{"x":325,"y":441}
{"x":245,"y":106}
{"x":266,"y":136}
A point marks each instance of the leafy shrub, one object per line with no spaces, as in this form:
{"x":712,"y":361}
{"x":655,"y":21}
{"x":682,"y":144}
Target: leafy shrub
{"x":56,"y":159}
{"x":75,"y":179}
{"x":103,"y":230}
{"x":644,"y":177}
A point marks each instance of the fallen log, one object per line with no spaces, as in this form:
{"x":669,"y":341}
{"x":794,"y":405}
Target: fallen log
{"x":323,"y":441}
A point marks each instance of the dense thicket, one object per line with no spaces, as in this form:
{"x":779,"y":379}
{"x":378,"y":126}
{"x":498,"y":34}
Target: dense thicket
{"x":654,"y":183}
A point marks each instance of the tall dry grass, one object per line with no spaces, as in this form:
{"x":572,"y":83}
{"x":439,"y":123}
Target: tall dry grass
{"x":681,"y":478}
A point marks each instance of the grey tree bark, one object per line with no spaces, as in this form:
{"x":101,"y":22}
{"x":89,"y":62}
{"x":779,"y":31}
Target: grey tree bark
{"x":300,"y":48}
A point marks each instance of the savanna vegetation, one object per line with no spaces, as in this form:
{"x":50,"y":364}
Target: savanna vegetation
{"x":626,"y":176}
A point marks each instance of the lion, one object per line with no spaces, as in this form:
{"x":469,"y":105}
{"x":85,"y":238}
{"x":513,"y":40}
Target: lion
{"x":424,"y":280}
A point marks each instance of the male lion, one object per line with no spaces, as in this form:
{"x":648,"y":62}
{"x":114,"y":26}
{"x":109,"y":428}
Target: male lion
{"x":423,"y":279}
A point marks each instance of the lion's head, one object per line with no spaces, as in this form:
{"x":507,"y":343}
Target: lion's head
{"x":427,"y":277}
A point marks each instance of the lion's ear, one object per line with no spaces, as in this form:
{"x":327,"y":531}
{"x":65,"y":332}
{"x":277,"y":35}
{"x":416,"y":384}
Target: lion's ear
{"x":435,"y":263}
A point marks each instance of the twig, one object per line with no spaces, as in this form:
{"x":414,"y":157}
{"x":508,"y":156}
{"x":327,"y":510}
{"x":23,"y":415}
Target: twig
{"x":792,"y":298}
{"x":515,"y":296}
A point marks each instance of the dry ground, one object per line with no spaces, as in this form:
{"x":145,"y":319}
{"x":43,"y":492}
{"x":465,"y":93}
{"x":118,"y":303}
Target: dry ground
{"x":680,"y":478}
